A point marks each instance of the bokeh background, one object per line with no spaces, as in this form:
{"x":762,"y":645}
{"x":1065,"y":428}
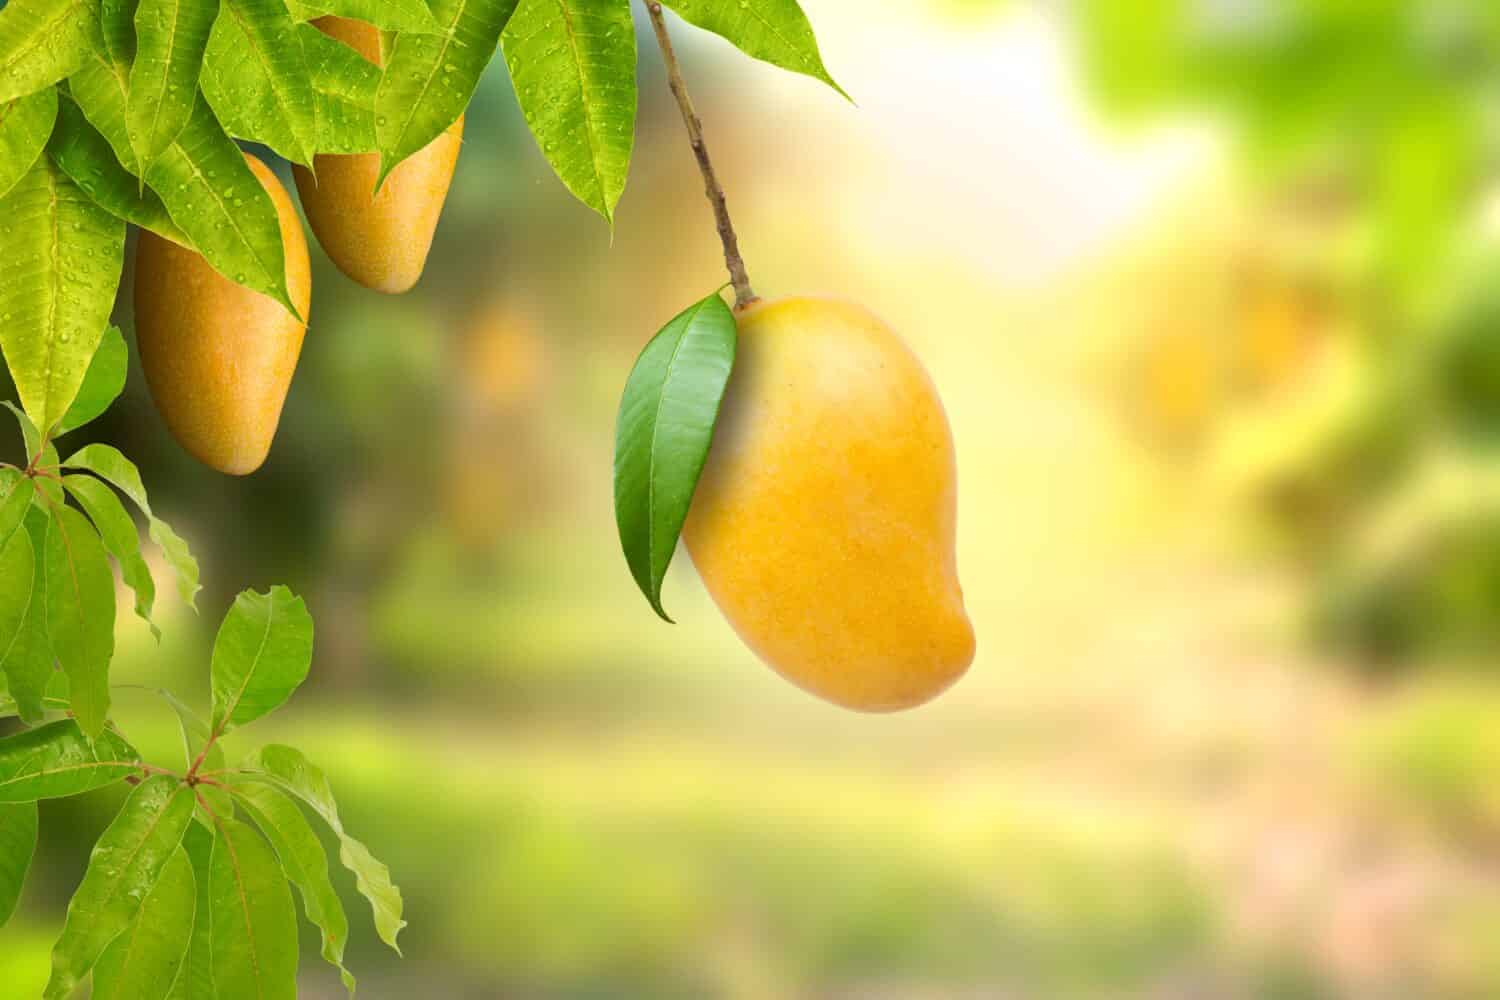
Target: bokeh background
{"x":1212,"y":293}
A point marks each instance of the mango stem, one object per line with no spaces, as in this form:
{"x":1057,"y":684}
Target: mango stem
{"x":744,"y":295}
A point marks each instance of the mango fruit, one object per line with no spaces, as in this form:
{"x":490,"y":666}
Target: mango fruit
{"x":824,"y":523}
{"x":379,"y":239}
{"x":218,"y":357}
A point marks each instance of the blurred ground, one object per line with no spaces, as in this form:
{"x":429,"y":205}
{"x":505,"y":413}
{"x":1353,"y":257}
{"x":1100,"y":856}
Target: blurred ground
{"x":1148,"y":784}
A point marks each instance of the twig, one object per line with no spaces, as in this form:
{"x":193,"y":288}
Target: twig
{"x":744,"y":295}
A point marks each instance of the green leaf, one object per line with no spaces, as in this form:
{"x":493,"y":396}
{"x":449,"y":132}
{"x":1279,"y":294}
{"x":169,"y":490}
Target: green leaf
{"x":102,"y":383}
{"x":63,"y":256}
{"x":143,"y":962}
{"x":81,"y":151}
{"x":118,"y":532}
{"x":25,"y":124}
{"x":215,"y":199}
{"x":429,"y":78}
{"x":262,"y":654}
{"x":26,"y":656}
{"x":42,"y":41}
{"x":117,"y":31}
{"x":170,"y":38}
{"x":30,"y":436}
{"x":195,"y":736}
{"x":14,"y":507}
{"x":195,"y":980}
{"x":392,"y":15}
{"x":663,"y":433}
{"x":344,"y":85}
{"x":17,"y":844}
{"x":304,"y":862}
{"x":81,"y":613}
{"x":108,"y":464}
{"x":17,"y":588}
{"x":253,"y":924}
{"x":290,"y":771}
{"x":572,"y":63}
{"x":101,"y":87}
{"x":255,"y":76}
{"x":774,"y":31}
{"x":126,"y":862}
{"x":58,"y":760}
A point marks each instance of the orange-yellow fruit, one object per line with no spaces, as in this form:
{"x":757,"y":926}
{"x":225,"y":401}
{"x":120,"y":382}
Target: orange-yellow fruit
{"x":824,"y":522}
{"x":218,"y":357}
{"x":380,"y":240}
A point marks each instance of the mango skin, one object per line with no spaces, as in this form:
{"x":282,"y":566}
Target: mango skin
{"x":824,"y":522}
{"x":218,"y":357}
{"x":379,"y":240}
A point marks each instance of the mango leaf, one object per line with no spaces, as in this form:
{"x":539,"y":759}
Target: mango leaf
{"x":195,"y":736}
{"x":81,"y":151}
{"x":63,"y":255}
{"x":286,"y":768}
{"x":101,"y":88}
{"x":392,"y":15}
{"x":117,"y":31}
{"x":344,"y":84}
{"x":17,"y":844}
{"x":573,"y":66}
{"x":126,"y":862}
{"x":261,"y":655}
{"x":25,"y":124}
{"x":26,"y":655}
{"x":195,"y":980}
{"x":252,"y":922}
{"x":429,"y":78}
{"x":117,"y":531}
{"x":58,"y":760}
{"x":774,"y":31}
{"x":305,"y":864}
{"x":663,"y":433}
{"x":114,"y":468}
{"x":102,"y":383}
{"x":81,"y":613}
{"x":42,"y":41}
{"x":17,"y":587}
{"x":143,"y":961}
{"x":17,"y":500}
{"x":255,"y":77}
{"x":215,"y":199}
{"x":170,"y":38}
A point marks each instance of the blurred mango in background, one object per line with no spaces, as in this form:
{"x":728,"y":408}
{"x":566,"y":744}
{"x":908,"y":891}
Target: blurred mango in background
{"x":1209,"y":290}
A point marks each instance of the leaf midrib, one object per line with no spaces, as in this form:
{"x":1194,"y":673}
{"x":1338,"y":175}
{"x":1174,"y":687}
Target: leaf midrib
{"x":655,"y":432}
{"x":38,"y":37}
{"x":447,"y":37}
{"x":166,"y":72}
{"x":588,"y":110}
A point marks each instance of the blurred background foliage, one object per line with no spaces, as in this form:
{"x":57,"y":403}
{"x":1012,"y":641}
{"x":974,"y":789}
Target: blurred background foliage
{"x":1212,"y":291}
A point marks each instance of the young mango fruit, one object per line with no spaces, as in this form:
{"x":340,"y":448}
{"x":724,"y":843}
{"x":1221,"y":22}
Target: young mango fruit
{"x":824,"y":522}
{"x":379,"y":239}
{"x":218,"y":357}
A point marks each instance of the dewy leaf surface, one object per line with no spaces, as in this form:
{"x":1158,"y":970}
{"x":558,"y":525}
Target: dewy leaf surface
{"x":305,"y":864}
{"x":81,"y":613}
{"x":195,"y":979}
{"x":57,"y":760}
{"x":255,"y":76}
{"x":215,"y":199}
{"x":25,"y":124}
{"x":429,"y":78}
{"x":41,"y":42}
{"x":662,"y":436}
{"x":261,"y":655}
{"x":390,"y":15}
{"x":118,"y":532}
{"x":114,"y":468}
{"x":63,"y":256}
{"x":170,"y":38}
{"x":83,"y":153}
{"x":126,"y":862}
{"x":17,"y":584}
{"x":145,"y":959}
{"x":344,"y":86}
{"x":27,"y":656}
{"x":252,"y":922}
{"x":774,"y":31}
{"x":102,"y":383}
{"x":101,"y":86}
{"x":17,"y":844}
{"x":573,"y":66}
{"x":286,"y":768}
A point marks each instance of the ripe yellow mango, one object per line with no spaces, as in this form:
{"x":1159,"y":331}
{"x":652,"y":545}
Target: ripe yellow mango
{"x":823,"y":525}
{"x":218,"y":357}
{"x":380,"y":240}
